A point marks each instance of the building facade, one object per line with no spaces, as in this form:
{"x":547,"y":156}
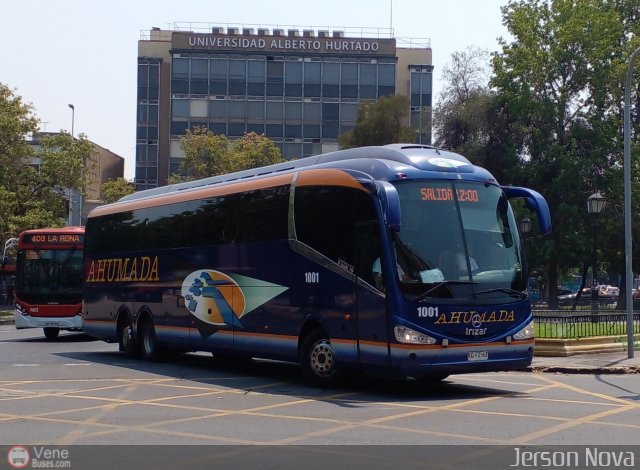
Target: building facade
{"x":299,"y":87}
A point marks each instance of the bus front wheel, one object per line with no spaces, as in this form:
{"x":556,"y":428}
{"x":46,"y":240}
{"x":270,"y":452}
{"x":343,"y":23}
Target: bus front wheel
{"x":318,"y":360}
{"x":51,"y":332}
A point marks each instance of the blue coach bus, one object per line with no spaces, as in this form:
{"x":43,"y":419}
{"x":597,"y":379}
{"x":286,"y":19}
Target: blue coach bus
{"x":402,"y":260}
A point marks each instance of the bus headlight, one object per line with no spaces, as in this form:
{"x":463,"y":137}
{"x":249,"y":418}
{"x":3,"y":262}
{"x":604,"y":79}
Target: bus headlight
{"x":407,"y":335}
{"x":526,"y":332}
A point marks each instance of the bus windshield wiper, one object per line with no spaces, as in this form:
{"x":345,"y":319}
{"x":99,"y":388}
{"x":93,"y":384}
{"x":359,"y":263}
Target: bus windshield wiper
{"x":511,"y":292}
{"x":426,"y":293}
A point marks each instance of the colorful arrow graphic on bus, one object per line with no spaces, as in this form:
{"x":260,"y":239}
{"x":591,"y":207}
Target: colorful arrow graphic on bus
{"x":220,"y":299}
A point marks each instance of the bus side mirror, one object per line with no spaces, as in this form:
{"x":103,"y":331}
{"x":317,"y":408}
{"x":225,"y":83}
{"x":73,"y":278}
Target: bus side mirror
{"x":535,"y":202}
{"x":390,"y":204}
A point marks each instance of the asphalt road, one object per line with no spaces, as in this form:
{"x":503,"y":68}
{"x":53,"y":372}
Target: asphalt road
{"x":76,"y":391}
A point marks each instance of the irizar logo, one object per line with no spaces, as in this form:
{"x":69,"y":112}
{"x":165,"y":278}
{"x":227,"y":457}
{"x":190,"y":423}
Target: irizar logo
{"x":218,"y":300}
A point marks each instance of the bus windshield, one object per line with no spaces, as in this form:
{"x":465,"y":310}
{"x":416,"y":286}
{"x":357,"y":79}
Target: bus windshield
{"x":47,"y":275}
{"x":458,"y":240}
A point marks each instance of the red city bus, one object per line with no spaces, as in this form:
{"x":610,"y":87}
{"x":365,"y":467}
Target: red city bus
{"x":48,"y":291}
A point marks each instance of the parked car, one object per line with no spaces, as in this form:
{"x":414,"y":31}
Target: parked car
{"x":606,"y":295}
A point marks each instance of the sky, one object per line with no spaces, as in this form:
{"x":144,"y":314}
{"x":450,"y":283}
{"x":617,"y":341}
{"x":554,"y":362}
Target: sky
{"x":84,"y":53}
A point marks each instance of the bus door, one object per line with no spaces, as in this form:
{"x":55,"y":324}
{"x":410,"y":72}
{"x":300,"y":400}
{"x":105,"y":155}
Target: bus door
{"x":371,"y":302}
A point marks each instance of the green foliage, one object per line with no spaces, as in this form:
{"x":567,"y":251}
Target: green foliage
{"x":30,"y":197}
{"x":16,"y":121}
{"x":253,"y":151}
{"x":379,"y":123}
{"x":113,"y":190}
{"x":207,"y":154}
{"x":468,"y":117}
{"x":64,"y":161}
{"x":558,"y":83}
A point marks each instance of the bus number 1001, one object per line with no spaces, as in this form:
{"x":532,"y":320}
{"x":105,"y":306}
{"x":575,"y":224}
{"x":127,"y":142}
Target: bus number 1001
{"x":427,"y":312}
{"x":312,"y":278}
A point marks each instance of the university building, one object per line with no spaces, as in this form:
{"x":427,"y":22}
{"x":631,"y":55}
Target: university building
{"x":299,"y":87}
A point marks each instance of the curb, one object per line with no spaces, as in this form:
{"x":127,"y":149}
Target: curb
{"x":569,"y":347}
{"x":618,"y":370}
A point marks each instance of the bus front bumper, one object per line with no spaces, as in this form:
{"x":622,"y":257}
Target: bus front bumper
{"x":462,"y":360}
{"x":64,"y":323}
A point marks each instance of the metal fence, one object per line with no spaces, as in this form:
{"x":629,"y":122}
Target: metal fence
{"x":564,"y":324}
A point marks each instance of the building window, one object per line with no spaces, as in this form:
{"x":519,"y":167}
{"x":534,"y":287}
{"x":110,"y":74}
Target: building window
{"x":218,"y":109}
{"x":255,"y":110}
{"x":237,"y":109}
{"x":386,"y":79}
{"x":275,"y":77}
{"x":349,"y":80}
{"x":293,"y":111}
{"x":368,"y":81}
{"x":238,"y":77}
{"x":330,"y":80}
{"x":293,"y":79}
{"x":199,"y":108}
{"x":256,"y":78}
{"x":312,"y":75}
{"x":218,"y":76}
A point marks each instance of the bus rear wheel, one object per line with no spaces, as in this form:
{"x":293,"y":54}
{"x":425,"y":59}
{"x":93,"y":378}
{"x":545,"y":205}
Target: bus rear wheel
{"x":148,"y":342}
{"x":127,"y":340}
{"x":51,"y":332}
{"x":318,"y":360}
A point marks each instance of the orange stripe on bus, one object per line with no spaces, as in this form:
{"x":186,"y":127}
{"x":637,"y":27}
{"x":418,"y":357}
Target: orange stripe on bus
{"x":194,"y":194}
{"x":328,"y":177}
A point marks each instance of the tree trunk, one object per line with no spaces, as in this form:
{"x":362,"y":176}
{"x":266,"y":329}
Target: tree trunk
{"x":583,"y":281}
{"x":553,"y":285}
{"x":622,"y":296}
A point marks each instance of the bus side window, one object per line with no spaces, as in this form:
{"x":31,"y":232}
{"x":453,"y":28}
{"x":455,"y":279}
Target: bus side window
{"x":326,"y":219}
{"x":368,"y":265}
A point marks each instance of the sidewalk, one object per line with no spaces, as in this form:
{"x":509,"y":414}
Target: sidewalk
{"x":595,"y":363}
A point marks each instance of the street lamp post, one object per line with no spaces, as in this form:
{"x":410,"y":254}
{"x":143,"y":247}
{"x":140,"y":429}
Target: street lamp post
{"x":595,"y":202}
{"x":627,"y":201}
{"x":73,"y":117}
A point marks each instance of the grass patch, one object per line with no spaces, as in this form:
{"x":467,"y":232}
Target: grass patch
{"x":582,"y":329}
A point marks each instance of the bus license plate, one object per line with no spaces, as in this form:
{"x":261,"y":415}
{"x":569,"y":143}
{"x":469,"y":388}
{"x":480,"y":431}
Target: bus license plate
{"x":478,"y":356}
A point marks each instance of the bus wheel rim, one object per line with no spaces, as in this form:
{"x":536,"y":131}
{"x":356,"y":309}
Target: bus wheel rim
{"x":148,"y":342}
{"x":127,"y":334}
{"x":321,"y":359}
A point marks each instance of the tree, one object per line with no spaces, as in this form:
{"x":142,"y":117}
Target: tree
{"x":558,"y":83}
{"x":253,"y":151}
{"x":21,"y":203}
{"x":33,"y":196}
{"x":379,"y":123}
{"x":468,"y":117}
{"x":113,"y":190}
{"x":38,"y":196}
{"x":207,"y":154}
{"x":16,"y":121}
